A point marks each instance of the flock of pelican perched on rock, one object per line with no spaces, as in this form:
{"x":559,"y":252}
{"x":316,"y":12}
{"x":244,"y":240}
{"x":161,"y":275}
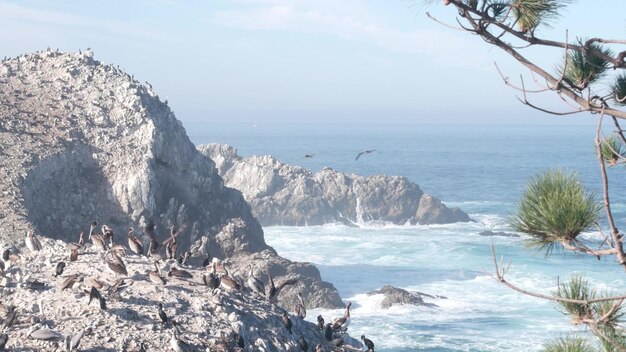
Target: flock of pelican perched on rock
{"x":215,"y":276}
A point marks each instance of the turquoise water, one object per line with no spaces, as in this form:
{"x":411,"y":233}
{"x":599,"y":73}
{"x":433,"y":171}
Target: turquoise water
{"x":481,"y":169}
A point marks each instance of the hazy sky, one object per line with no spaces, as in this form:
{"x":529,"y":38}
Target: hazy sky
{"x":258,"y":61}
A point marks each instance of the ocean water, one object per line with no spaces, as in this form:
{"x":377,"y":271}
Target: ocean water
{"x":480,"y":168}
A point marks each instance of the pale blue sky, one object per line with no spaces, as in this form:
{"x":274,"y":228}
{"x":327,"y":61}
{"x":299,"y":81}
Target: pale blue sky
{"x":263,"y":61}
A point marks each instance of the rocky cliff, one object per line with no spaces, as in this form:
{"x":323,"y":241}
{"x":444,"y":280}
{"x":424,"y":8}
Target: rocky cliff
{"x":83,"y":141}
{"x":282,"y":194}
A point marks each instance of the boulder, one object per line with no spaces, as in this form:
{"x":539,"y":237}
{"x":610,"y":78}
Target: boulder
{"x":397,"y":296}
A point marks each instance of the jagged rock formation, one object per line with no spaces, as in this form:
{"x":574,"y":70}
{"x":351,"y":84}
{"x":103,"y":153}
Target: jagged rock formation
{"x":207,"y":319}
{"x":282,"y":194}
{"x":83,"y":141}
{"x":397,"y":296}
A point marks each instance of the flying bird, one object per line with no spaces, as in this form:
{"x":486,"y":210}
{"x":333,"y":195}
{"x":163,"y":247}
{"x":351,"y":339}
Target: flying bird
{"x":309,"y":155}
{"x":364,"y":152}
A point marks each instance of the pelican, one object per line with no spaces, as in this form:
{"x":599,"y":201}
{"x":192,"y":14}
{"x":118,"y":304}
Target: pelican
{"x":177,"y":344}
{"x":182,"y":274}
{"x":38,"y":332}
{"x":69,"y":281}
{"x":73,"y":343}
{"x":75,"y":246}
{"x":255,"y":284}
{"x":273,"y":291}
{"x":172,"y":245}
{"x":213,"y":280}
{"x":107,"y":234}
{"x":343,"y":322}
{"x":96,"y":239}
{"x":300,"y":307}
{"x":155,"y":276}
{"x":364,"y":152}
{"x":134,"y":243}
{"x":32,"y":242}
{"x":115,"y":263}
{"x":228,"y":281}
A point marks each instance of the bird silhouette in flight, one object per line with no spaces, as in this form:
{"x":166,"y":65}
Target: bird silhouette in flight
{"x":364,"y":152}
{"x":309,"y":155}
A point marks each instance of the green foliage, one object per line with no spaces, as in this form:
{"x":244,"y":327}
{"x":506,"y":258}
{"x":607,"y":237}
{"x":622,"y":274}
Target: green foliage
{"x":585,"y":68}
{"x":580,"y":289}
{"x":613,"y":150}
{"x":569,"y":344}
{"x":619,"y":89}
{"x":555,"y":207}
{"x":529,"y":14}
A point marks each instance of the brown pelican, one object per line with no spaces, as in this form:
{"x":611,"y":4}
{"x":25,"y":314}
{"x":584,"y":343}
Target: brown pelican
{"x":32,"y":242}
{"x":38,"y":332}
{"x":76,"y":246}
{"x":149,"y":230}
{"x":69,"y":281}
{"x":368,"y":343}
{"x":182,"y":274}
{"x":183,"y":258}
{"x":134,"y":243}
{"x":177,"y":344}
{"x":115,"y":263}
{"x":228,"y":281}
{"x":96,"y":239}
{"x":73,"y":342}
{"x":73,"y":255}
{"x":287,"y":322}
{"x":155,"y":276}
{"x":343,"y":322}
{"x":300,"y":307}
{"x":273,"y":291}
{"x":255,"y":284}
{"x":304,"y":346}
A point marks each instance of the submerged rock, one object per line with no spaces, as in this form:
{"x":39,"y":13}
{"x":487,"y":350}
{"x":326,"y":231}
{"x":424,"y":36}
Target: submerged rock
{"x":282,"y":194}
{"x":489,"y":233}
{"x":83,"y":141}
{"x":397,"y":296}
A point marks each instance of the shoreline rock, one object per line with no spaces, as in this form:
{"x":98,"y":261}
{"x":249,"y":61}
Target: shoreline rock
{"x":398,"y":296}
{"x":282,"y":194}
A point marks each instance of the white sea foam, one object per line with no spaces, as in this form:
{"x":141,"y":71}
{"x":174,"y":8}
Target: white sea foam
{"x":451,"y":260}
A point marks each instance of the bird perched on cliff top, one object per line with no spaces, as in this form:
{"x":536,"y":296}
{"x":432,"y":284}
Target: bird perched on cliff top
{"x":4,"y":338}
{"x":59,"y":269}
{"x":287,"y":322}
{"x":368,"y":343}
{"x":155,"y":276}
{"x":95,"y":294}
{"x":364,"y":152}
{"x":171,"y":245}
{"x":341,"y":324}
{"x":179,"y":273}
{"x":32,"y":242}
{"x":255,"y":284}
{"x":11,"y":315}
{"x":115,"y":263}
{"x":228,"y":281}
{"x":273,"y":291}
{"x":300,"y":307}
{"x":304,"y":346}
{"x":320,"y":322}
{"x":134,"y":243}
{"x":75,"y":246}
{"x":97,"y":240}
{"x":177,"y":344}
{"x":72,"y":342}
{"x":162,"y":314}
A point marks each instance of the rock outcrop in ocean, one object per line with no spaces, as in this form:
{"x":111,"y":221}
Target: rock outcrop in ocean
{"x":83,"y":141}
{"x":282,"y":194}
